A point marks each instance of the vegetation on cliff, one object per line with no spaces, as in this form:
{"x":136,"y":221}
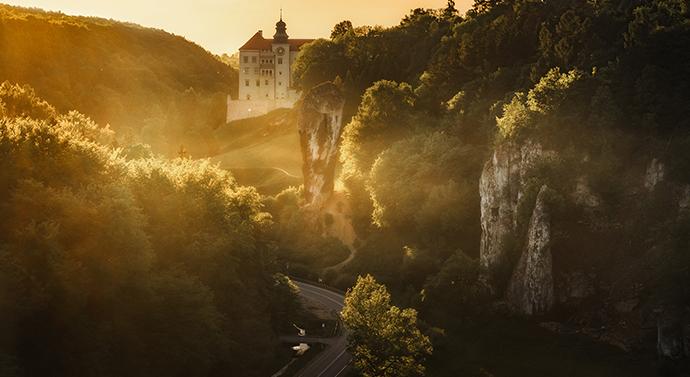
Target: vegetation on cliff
{"x":596,"y":91}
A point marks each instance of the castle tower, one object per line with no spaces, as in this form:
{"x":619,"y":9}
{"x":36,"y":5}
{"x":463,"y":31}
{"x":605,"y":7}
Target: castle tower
{"x":281,"y":49}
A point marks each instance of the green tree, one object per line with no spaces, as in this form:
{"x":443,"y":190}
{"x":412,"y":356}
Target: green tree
{"x":384,"y":116}
{"x":413,"y":191}
{"x":450,"y":11}
{"x":384,"y":339}
{"x":140,"y":267}
{"x":319,"y":61}
{"x":21,"y":101}
{"x":341,"y":28}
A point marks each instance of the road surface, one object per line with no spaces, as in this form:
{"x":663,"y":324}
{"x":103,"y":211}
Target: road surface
{"x":334,"y":360}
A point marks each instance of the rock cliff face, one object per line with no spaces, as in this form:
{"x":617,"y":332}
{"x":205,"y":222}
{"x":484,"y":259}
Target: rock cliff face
{"x":671,"y":340}
{"x":501,"y":188}
{"x":654,"y":175}
{"x":320,"y":128}
{"x":596,"y":257}
{"x":531,"y":289}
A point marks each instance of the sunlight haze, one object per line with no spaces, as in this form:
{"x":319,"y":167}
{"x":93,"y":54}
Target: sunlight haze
{"x":365,"y":188}
{"x":223,"y":26}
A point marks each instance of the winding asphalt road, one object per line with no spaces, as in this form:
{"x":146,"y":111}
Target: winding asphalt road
{"x":334,"y":360}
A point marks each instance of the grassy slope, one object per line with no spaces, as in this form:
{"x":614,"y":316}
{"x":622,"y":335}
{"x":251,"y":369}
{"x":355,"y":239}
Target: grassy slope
{"x":263,"y":152}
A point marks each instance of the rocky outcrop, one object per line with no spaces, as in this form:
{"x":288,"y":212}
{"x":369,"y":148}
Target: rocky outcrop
{"x":531,"y":289}
{"x":504,"y":186}
{"x":500,"y":188}
{"x":583,"y":195}
{"x":320,"y":128}
{"x":654,"y":175}
{"x":684,"y":200}
{"x":671,"y":340}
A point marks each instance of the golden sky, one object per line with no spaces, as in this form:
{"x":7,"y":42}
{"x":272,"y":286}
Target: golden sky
{"x":224,"y":25}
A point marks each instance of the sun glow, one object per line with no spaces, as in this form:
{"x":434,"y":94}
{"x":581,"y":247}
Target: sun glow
{"x":222,"y":26}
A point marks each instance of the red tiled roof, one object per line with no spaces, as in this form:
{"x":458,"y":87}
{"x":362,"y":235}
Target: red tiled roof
{"x":258,"y":42}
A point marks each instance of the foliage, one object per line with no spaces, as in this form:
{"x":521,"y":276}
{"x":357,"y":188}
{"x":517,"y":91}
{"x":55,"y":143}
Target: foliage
{"x":149,"y":85}
{"x":384,"y":339}
{"x":457,"y":289}
{"x":310,"y":251}
{"x":341,"y":29}
{"x":600,"y":86}
{"x":21,"y":101}
{"x":541,"y":105}
{"x":413,"y":192}
{"x":361,"y":56}
{"x":140,"y":267}
{"x":384,"y":115}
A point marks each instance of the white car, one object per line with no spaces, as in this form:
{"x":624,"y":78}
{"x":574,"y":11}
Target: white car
{"x":301,"y":349}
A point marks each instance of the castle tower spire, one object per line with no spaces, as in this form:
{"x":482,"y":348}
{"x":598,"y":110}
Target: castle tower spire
{"x":281,"y":35}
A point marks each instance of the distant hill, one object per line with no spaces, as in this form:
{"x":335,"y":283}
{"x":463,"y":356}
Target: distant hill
{"x":263,"y":152}
{"x":149,"y":85}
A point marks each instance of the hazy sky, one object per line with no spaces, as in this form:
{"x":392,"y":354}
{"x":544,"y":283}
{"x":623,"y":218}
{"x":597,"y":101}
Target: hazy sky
{"x":224,"y":25}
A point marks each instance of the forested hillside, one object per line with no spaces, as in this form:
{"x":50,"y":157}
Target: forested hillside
{"x":112,"y":265}
{"x":519,"y":175}
{"x":518,"y":179}
{"x":150,"y":86}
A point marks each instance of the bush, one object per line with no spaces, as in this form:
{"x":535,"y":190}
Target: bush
{"x":142,"y":267}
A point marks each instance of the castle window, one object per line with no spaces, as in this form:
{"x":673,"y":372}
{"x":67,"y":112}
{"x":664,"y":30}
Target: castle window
{"x":256,"y":71}
{"x":266,"y":83}
{"x":280,"y":60}
{"x":253,"y":59}
{"x":246,"y":59}
{"x":258,"y":82}
{"x":249,"y":96}
{"x":280,"y":72}
{"x":280,"y":83}
{"x":246,"y":82}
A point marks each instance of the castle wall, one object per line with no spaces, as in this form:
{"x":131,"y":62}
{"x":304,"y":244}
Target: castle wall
{"x":265,"y":77}
{"x":243,"y":109}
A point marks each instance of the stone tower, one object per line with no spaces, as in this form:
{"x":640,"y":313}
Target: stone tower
{"x":281,"y":49}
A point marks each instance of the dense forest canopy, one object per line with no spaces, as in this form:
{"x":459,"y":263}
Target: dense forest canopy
{"x":113,"y":266}
{"x":590,"y":98}
{"x":151,"y":86}
{"x":613,"y":73}
{"x":525,"y":146}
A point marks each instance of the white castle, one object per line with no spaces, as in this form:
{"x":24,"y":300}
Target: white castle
{"x":265,"y":74}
